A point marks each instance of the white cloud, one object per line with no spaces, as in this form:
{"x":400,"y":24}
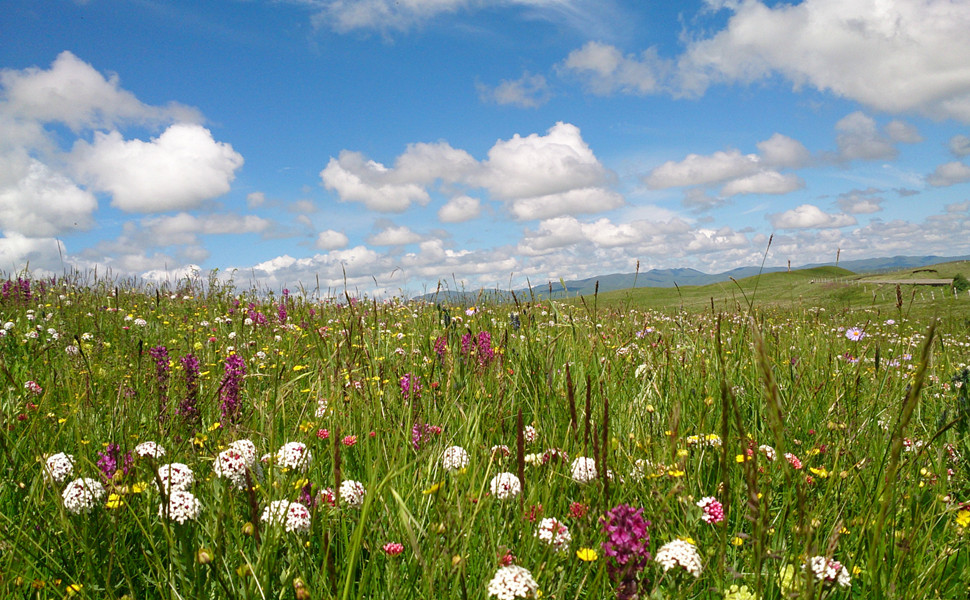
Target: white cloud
{"x":781,"y":151}
{"x":394,"y":236}
{"x":356,"y":179}
{"x":183,"y":227}
{"x":528,"y":91}
{"x":948,"y":174}
{"x":38,"y":202}
{"x":178,"y":170}
{"x":860,"y":202}
{"x":809,"y":216}
{"x":74,"y":93}
{"x":42,"y":254}
{"x":900,"y":56}
{"x":581,"y":200}
{"x":331,"y":240}
{"x":605,"y":70}
{"x":698,"y":200}
{"x":696,"y":169}
{"x":763,"y":182}
{"x":860,"y":138}
{"x":424,"y":163}
{"x":255,"y":199}
{"x":460,"y":209}
{"x":960,"y":145}
{"x":903,"y":132}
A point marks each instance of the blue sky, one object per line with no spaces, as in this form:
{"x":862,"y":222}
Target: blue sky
{"x":392,"y":145}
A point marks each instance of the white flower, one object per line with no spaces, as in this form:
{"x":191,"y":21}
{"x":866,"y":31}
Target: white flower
{"x":530,"y":434}
{"x":680,"y":553}
{"x":512,"y":582}
{"x":293,"y":516}
{"x":352,"y":493}
{"x":554,"y":533}
{"x":182,"y":506}
{"x":454,"y":458}
{"x":829,"y":570}
{"x":768,"y":451}
{"x":82,"y":494}
{"x":323,"y":405}
{"x":584,"y":470}
{"x":233,"y":462}
{"x":140,"y":322}
{"x":59,"y":467}
{"x":505,"y":486}
{"x":175,"y":476}
{"x":150,"y":450}
{"x":294,"y":455}
{"x":72,"y":350}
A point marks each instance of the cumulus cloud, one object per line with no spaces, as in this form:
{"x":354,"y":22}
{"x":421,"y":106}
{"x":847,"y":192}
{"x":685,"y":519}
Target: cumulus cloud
{"x":895,"y":57}
{"x":763,"y":182}
{"x":528,"y":91}
{"x":860,"y":202}
{"x":38,"y":202}
{"x":696,"y":169}
{"x":43,"y":254}
{"x":781,"y":151}
{"x":356,"y":179}
{"x":605,"y":70}
{"x":698,"y":200}
{"x":331,"y":240}
{"x":948,"y":174}
{"x":184,"y":227}
{"x":809,"y":216}
{"x":582,"y":200}
{"x":394,"y":236}
{"x":960,"y":145}
{"x":178,"y":170}
{"x":460,"y":209}
{"x":860,"y":138}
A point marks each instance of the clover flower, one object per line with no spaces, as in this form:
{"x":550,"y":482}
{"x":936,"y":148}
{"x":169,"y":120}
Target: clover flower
{"x":59,"y":467}
{"x":175,"y":477}
{"x":149,"y":450}
{"x":292,"y":516}
{"x":505,"y":486}
{"x":454,"y":458}
{"x":182,"y":506}
{"x":713,"y":510}
{"x":680,"y":553}
{"x":82,"y":494}
{"x":393,"y":548}
{"x":294,"y":455}
{"x":554,"y":533}
{"x":827,"y":570}
{"x":768,"y":451}
{"x":584,"y":470}
{"x":512,"y":582}
{"x":352,"y":493}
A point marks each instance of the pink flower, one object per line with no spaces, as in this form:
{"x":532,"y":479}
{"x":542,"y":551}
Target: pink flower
{"x":793,"y":460}
{"x":323,"y":434}
{"x":350,"y":440}
{"x":393,"y":548}
{"x":713,"y":510}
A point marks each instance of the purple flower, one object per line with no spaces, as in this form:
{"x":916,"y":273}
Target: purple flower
{"x":235,"y":370}
{"x":187,"y":408}
{"x":441,"y":346}
{"x":410,"y":386}
{"x":108,"y":461}
{"x":281,"y":313}
{"x":160,"y":354}
{"x":626,"y":547}
{"x":479,"y":347}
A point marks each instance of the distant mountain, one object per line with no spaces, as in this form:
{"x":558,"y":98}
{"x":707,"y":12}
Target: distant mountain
{"x":672,"y":277}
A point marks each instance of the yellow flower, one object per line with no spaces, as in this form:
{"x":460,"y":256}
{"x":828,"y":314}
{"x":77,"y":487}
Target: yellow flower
{"x":821,"y":472}
{"x":963,"y":517}
{"x":737,"y":541}
{"x":433,"y":488}
{"x":114,"y":501}
{"x":740,"y":458}
{"x":74,"y":588}
{"x":586,"y":554}
{"x":215,"y":426}
{"x":675,"y":473}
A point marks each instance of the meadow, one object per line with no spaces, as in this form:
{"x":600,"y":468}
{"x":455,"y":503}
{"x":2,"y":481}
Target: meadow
{"x":773,"y":438}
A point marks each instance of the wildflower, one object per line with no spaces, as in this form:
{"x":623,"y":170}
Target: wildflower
{"x":680,"y":553}
{"x":81,"y":495}
{"x":74,"y":589}
{"x":530,"y":434}
{"x":828,"y":570}
{"x":505,"y":486}
{"x":713,"y":510}
{"x":768,"y":451}
{"x":149,"y":450}
{"x":854,"y":334}
{"x":322,"y":434}
{"x":349,"y":440}
{"x":175,"y":477}
{"x":393,"y":548}
{"x":235,"y":370}
{"x":234,"y":462}
{"x":626,"y":547}
{"x":352,"y":493}
{"x":108,"y":461}
{"x":578,"y":510}
{"x":500,"y":451}
{"x":187,"y":408}
{"x":554,"y":533}
{"x":323,"y":405}
{"x":584,"y":470}
{"x":182,"y":506}
{"x":294,"y":455}
{"x":788,"y":580}
{"x":421,"y":431}
{"x":587,"y":555}
{"x":114,"y":501}
{"x":454,"y":458}
{"x":410,"y":387}
{"x":162,"y":368}
{"x":793,"y":460}
{"x":963,"y":517}
{"x":293,"y":516}
{"x":512,"y":582}
{"x":739,"y":593}
{"x":33,"y":387}
{"x":59,"y":467}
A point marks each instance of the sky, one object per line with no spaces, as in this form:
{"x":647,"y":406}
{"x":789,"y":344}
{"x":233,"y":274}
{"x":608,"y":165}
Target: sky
{"x":389,"y":147}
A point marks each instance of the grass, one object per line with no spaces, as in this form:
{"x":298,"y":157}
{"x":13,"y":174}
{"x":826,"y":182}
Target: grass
{"x":675,"y":395}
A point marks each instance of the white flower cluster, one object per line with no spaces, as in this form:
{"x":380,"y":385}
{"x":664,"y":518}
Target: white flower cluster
{"x":352,"y":493}
{"x":454,"y":458}
{"x":293,"y":516}
{"x":529,"y":434}
{"x":294,"y":455}
{"x":82,"y":494}
{"x":182,"y":506}
{"x":175,"y":477}
{"x":59,"y":467}
{"x":768,"y":451}
{"x":828,"y":570}
{"x":554,"y":533}
{"x":323,"y":405}
{"x":512,"y":582}
{"x":680,"y":553}
{"x":505,"y":486}
{"x":149,"y":450}
{"x":584,"y":470}
{"x":233,"y":462}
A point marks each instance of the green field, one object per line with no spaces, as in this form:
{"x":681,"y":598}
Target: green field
{"x":795,"y":435}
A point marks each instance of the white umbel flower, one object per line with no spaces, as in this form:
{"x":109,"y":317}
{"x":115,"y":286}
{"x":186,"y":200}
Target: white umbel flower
{"x":512,"y":582}
{"x":323,"y":406}
{"x":82,"y":494}
{"x":233,"y":462}
{"x":182,"y":506}
{"x":584,"y":470}
{"x":682,"y":554}
{"x":294,"y":455}
{"x":59,"y":467}
{"x":175,"y":476}
{"x":149,"y":450}
{"x":293,"y":516}
{"x":554,"y":533}
{"x":829,"y":570}
{"x":505,"y":486}
{"x":352,"y":493}
{"x":454,"y":458}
